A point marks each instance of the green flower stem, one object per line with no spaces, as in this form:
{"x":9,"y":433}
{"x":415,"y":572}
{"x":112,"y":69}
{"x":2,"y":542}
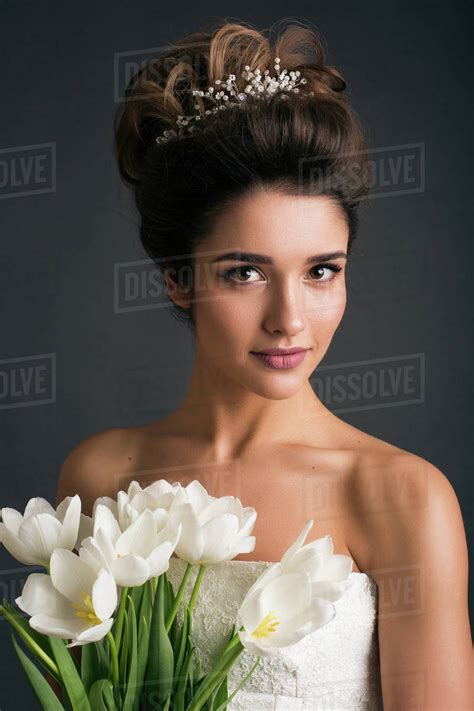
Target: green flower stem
{"x":232,"y":642}
{"x":214,"y":679}
{"x":30,"y":642}
{"x":179,"y":595}
{"x":197,"y":585}
{"x":114,"y":657}
{"x":224,"y":704}
{"x":120,"y":618}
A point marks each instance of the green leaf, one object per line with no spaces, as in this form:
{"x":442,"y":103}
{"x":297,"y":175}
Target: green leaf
{"x":166,"y":597}
{"x":103,"y":657}
{"x":101,"y":696}
{"x":220,"y":695}
{"x":70,"y":678}
{"x":131,"y":689}
{"x":124,"y":650}
{"x":180,"y":698}
{"x":145,"y":607}
{"x":38,"y":644}
{"x":142,"y":655}
{"x":90,"y":665}
{"x":136,"y":594}
{"x":160,"y":666}
{"x":44,"y":693}
{"x":185,"y":644}
{"x":167,"y":702}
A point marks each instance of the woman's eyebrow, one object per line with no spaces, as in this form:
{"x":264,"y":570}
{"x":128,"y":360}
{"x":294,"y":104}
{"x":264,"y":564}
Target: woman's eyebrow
{"x":263,"y":259}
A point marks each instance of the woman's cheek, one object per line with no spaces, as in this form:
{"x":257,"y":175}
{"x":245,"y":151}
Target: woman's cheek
{"x":326,"y":310}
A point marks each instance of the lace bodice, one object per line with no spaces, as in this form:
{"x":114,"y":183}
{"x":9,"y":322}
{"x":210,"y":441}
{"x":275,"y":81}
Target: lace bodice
{"x":333,"y":668}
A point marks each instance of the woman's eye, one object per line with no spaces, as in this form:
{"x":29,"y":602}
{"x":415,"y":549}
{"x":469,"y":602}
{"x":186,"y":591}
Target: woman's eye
{"x":331,"y":269}
{"x":230,"y":274}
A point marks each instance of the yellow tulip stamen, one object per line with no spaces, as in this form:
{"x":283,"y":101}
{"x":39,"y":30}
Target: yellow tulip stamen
{"x":88,"y":613}
{"x":266,"y":626}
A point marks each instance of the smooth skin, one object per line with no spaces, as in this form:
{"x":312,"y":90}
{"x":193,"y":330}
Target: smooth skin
{"x":263,"y":435}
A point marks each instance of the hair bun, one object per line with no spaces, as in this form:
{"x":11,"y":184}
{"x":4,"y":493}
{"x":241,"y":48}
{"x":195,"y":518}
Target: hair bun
{"x":162,"y":90}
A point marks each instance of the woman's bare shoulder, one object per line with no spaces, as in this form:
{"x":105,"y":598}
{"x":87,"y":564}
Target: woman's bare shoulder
{"x":397,"y":498}
{"x":97,"y":465}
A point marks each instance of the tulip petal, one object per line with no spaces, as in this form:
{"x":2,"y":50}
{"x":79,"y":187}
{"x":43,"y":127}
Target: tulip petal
{"x":104,"y":519}
{"x":12,"y":519}
{"x":142,"y":500}
{"x":252,"y":610}
{"x":191,"y":541}
{"x":40,"y":534}
{"x":270,"y":573}
{"x":218,"y":534}
{"x":38,"y":505}
{"x":290,"y":631}
{"x":159,"y":559}
{"x":130,"y":571}
{"x":65,"y":628}
{"x":242,"y":545}
{"x":248,"y":518}
{"x":288,"y":594}
{"x":197,"y":496}
{"x":86,"y":529}
{"x":16,"y":548}
{"x":92,"y":634}
{"x":297,"y":543}
{"x":160,"y":517}
{"x":219,"y":506}
{"x":162,"y":491}
{"x":69,"y":512}
{"x":71,"y":575}
{"x":106,"y":501}
{"x":105,"y":545}
{"x":91,"y":553}
{"x":252,"y":646}
{"x":331,"y":591}
{"x":39,"y":596}
{"x":138,"y":539}
{"x":104,"y":595}
{"x":334,"y":568}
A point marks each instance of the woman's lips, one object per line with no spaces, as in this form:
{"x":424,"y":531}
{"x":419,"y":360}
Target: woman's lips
{"x":281,"y":362}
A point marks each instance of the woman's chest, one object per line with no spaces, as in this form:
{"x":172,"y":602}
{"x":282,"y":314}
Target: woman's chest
{"x":287,"y":485}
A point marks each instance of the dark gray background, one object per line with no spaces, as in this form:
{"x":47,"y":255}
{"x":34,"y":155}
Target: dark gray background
{"x":408,"y":70}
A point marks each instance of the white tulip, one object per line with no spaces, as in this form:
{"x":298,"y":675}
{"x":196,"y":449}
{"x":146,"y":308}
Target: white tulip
{"x":133,"y":556}
{"x":329,"y":572}
{"x":32,"y":537}
{"x":74,"y":602}
{"x":213,"y":529}
{"x":128,"y":505}
{"x":295,"y":596}
{"x":279,"y":610}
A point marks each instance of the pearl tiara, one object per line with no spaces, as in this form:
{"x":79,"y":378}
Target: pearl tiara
{"x":258,"y":85}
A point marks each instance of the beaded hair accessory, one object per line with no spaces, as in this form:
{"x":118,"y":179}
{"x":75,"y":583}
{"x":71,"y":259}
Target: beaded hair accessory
{"x":260,"y":85}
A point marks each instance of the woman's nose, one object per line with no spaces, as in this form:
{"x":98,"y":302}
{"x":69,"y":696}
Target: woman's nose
{"x":285,"y":312}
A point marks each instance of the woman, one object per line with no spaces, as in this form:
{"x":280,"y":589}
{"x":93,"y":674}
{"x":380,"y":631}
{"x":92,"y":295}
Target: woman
{"x":251,"y":212}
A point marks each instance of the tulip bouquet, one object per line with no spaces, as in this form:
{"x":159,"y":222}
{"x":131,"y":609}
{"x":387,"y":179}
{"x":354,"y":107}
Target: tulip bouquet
{"x":104,"y":589}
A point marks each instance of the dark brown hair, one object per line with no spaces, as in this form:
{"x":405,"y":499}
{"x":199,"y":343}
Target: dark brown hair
{"x":307,"y":144}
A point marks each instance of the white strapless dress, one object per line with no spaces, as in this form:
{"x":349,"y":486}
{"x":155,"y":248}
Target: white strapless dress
{"x":333,"y":668}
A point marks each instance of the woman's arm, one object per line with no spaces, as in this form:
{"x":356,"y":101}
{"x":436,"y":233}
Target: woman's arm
{"x":421,"y":569}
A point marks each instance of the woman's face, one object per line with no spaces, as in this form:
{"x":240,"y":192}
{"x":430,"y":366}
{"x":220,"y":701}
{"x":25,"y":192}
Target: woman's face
{"x":286,"y":289}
